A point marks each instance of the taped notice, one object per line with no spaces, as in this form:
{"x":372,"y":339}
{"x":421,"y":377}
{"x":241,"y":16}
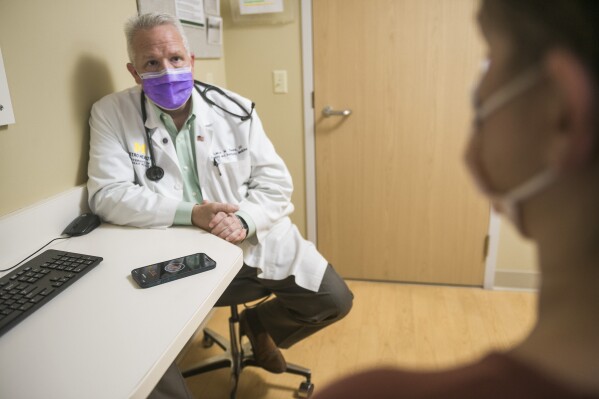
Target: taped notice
{"x":7,"y":117}
{"x":260,"y":6}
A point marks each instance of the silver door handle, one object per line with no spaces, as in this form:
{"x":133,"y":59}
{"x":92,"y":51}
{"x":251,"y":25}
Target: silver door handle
{"x":328,"y":111}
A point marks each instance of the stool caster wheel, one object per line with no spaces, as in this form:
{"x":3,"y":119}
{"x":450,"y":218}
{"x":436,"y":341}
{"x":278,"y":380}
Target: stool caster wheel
{"x":305,"y":390}
{"x":207,"y":341}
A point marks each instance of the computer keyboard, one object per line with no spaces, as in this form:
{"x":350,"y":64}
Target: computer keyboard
{"x":35,"y":282}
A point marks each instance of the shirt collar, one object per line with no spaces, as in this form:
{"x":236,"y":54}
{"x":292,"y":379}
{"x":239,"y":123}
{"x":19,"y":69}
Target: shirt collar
{"x":168,"y":120}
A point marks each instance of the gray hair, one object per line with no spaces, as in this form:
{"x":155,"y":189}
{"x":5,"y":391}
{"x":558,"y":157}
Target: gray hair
{"x":149,"y":21}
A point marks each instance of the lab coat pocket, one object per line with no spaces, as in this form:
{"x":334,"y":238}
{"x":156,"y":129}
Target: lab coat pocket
{"x":280,"y":243}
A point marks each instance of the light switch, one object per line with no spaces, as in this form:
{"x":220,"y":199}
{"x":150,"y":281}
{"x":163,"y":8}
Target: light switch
{"x":279,"y":81}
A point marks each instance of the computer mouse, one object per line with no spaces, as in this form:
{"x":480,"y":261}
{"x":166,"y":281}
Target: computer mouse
{"x":82,"y":225}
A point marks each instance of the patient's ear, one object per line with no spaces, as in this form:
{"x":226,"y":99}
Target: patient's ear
{"x":572,"y":146}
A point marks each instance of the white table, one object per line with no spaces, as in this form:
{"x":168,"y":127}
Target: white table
{"x":104,"y":337}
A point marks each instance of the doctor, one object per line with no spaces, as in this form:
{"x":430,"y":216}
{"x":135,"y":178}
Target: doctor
{"x":163,"y":154}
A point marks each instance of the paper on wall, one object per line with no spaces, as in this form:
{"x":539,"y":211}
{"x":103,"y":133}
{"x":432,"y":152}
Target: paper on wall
{"x":191,"y":11}
{"x":215,"y":35}
{"x":7,"y":116}
{"x":260,"y":6}
{"x":212,"y":7}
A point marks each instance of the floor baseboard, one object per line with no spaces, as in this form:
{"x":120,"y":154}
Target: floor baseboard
{"x":517,"y":279}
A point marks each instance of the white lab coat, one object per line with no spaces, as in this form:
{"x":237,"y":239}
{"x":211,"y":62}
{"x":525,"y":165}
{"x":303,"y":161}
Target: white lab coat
{"x":249,"y":173}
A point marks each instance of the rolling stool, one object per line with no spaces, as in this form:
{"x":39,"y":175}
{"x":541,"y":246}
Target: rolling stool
{"x":238,"y":356}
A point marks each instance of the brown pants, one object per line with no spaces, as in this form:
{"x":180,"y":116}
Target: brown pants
{"x":295,"y":312}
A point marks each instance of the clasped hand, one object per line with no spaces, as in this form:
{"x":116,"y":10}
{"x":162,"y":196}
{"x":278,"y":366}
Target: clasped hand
{"x":219,"y":219}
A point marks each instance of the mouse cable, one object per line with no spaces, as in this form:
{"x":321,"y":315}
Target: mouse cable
{"x":51,"y":241}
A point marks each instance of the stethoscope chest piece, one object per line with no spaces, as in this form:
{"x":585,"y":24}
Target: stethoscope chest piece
{"x":155,"y":173}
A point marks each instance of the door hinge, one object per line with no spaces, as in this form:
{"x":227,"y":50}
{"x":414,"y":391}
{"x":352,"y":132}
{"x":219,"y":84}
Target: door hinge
{"x":312,"y":100}
{"x":486,"y":247}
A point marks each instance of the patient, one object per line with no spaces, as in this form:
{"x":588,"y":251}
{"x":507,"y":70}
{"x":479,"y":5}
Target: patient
{"x":534,"y":152}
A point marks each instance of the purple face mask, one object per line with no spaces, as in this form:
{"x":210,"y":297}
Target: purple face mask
{"x":169,"y":88}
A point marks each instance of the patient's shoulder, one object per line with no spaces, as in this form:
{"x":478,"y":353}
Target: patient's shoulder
{"x":495,"y":376}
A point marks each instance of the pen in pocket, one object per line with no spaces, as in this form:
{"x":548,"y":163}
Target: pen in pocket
{"x":217,"y":165}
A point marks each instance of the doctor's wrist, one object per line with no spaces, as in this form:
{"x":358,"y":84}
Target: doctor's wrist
{"x":198,"y":218}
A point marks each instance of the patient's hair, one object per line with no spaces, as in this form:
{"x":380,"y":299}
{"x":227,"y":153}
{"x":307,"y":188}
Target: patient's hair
{"x":535,"y":26}
{"x":149,"y":21}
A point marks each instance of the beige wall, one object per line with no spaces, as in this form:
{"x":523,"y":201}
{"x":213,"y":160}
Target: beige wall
{"x":516,"y":252}
{"x":516,"y":264}
{"x":60,"y":57}
{"x":252,"y":53}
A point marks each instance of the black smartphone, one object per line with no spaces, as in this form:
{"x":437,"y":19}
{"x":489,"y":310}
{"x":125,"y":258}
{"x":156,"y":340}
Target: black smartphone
{"x":173,"y":269}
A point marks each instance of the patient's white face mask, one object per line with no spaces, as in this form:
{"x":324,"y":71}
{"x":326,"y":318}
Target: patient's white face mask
{"x":508,"y":202}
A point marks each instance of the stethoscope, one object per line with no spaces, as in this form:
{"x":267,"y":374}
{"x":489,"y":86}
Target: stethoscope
{"x":155,"y":172}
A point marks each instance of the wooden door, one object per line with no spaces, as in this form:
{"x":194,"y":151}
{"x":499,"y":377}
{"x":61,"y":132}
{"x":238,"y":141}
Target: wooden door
{"x":394,"y":201}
